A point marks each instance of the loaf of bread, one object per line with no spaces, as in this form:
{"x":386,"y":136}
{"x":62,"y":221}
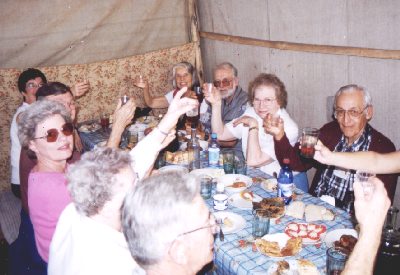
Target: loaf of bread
{"x":295,"y":209}
{"x":317,"y":212}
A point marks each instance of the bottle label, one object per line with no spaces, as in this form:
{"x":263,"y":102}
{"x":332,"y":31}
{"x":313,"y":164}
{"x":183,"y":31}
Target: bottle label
{"x":213,"y":156}
{"x":285,"y":190}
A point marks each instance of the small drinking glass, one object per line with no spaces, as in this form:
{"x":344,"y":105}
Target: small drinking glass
{"x":228,"y":158}
{"x":365,"y":179}
{"x":205,"y":187}
{"x":336,"y":258}
{"x":309,"y":139}
{"x":260,"y":225}
{"x":240,"y":166}
{"x":105,"y":121}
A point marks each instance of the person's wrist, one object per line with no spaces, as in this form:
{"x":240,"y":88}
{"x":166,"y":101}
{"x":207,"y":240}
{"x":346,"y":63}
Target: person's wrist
{"x":279,"y":136}
{"x":253,"y":128}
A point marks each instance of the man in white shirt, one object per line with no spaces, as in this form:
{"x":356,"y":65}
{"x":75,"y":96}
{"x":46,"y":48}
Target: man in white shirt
{"x":168,"y":226}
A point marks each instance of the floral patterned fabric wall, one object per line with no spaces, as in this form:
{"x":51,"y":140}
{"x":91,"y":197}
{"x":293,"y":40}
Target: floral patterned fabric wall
{"x":108,"y":80}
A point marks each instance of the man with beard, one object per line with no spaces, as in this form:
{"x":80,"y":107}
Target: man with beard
{"x":234,"y":99}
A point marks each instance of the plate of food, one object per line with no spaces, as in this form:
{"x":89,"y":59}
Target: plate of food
{"x":88,"y":128}
{"x":211,"y":172}
{"x":230,"y":222}
{"x":311,"y":233}
{"x":271,"y":207}
{"x":346,"y":238}
{"x":293,"y":267}
{"x":244,"y":199}
{"x":269,"y":185}
{"x":279,"y":245}
{"x":235,"y":183}
{"x":173,"y":168}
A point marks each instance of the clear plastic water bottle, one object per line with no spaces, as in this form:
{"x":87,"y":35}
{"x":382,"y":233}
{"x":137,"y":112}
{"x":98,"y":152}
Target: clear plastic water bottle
{"x":213,"y":152}
{"x":285,"y":182}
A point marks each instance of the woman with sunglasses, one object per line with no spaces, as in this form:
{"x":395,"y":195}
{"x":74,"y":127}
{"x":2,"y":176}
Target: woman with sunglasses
{"x":46,"y":129}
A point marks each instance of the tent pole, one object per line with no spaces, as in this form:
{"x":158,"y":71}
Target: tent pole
{"x":290,"y":46}
{"x":195,"y":37}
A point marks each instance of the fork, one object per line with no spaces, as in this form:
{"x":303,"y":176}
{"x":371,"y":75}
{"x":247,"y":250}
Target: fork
{"x":221,"y":234}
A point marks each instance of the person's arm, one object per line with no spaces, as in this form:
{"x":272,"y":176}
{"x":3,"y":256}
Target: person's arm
{"x":152,"y":102}
{"x":80,"y":88}
{"x":146,"y":151}
{"x":367,"y":161}
{"x":217,"y":125}
{"x":376,"y":205}
{"x":282,"y":146}
{"x":254,"y":155}
{"x":122,"y":117}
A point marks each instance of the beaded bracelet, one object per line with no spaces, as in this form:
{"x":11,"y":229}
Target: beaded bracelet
{"x":253,"y":128}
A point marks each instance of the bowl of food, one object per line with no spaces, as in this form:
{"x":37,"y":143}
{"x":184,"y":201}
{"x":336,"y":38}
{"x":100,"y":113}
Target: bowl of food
{"x":235,"y":183}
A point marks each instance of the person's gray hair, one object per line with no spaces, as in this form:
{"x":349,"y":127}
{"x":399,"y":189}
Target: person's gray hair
{"x":92,"y":181}
{"x":35,"y":114}
{"x":154,"y":214}
{"x":352,"y":88}
{"x":226,"y":66}
{"x":191,"y":70}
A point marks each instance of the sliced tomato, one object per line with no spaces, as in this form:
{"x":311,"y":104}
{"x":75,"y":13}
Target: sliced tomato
{"x":320,"y":229}
{"x":303,"y":233}
{"x":312,"y":235}
{"x":293,"y":226}
{"x":291,"y":233}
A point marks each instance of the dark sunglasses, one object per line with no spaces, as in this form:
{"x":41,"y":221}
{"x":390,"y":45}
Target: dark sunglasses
{"x":52,"y":134}
{"x":222,"y":83}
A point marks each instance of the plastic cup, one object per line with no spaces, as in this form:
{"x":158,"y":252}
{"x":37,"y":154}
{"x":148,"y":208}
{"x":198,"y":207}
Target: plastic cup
{"x":365,"y":179}
{"x":309,"y":139}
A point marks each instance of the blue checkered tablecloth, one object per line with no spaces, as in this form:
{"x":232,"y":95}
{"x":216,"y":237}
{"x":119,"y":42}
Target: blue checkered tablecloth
{"x":91,"y":139}
{"x":229,"y":258}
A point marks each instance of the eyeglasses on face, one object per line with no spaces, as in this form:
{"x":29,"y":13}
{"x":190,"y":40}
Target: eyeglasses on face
{"x":257,"y":101}
{"x":223,"y":83}
{"x":214,"y":227}
{"x":33,"y":85}
{"x":339,"y":113}
{"x":52,"y":134}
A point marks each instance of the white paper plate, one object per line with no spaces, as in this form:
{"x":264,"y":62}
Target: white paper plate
{"x":101,"y":143}
{"x":293,"y":268}
{"x":173,"y":168}
{"x":238,"y":223}
{"x":310,"y":227}
{"x":88,"y":128}
{"x":229,"y":179}
{"x":236,"y":200}
{"x":211,"y":172}
{"x":281,"y":239}
{"x":335,"y":235}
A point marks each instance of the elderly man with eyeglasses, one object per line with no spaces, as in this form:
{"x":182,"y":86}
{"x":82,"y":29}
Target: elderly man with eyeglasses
{"x":170,"y":231}
{"x":349,"y":132}
{"x":234,"y":99}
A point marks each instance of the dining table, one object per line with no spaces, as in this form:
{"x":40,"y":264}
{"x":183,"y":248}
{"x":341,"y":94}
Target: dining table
{"x":232,"y":258}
